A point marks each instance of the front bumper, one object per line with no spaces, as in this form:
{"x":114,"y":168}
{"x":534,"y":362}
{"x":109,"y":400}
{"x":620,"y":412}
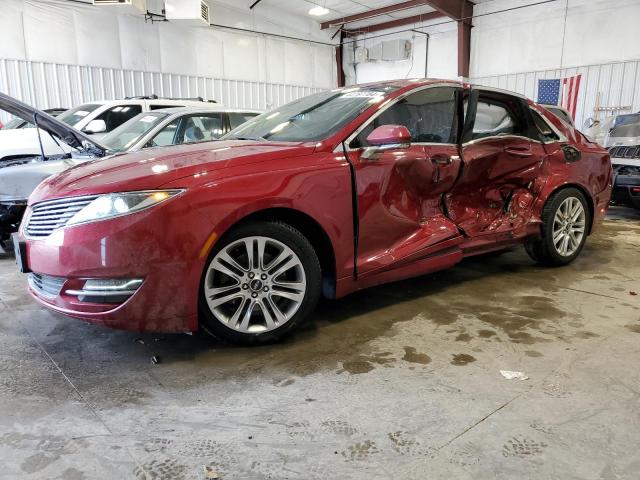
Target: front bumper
{"x":626,"y":186}
{"x":159,"y":246}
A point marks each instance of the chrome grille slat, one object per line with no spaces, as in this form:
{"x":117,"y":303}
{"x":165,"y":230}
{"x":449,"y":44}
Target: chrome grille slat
{"x":45,"y":217}
{"x":46,"y":285}
{"x":50,"y":213}
{"x":53,"y":218}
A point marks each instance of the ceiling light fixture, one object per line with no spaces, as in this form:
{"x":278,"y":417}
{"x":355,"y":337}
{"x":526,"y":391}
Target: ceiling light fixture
{"x":318,"y":11}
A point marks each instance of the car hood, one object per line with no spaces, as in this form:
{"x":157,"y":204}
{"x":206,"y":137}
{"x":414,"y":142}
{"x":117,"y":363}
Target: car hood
{"x":622,"y":141}
{"x":64,"y":132}
{"x":152,"y":168}
{"x":18,"y":181}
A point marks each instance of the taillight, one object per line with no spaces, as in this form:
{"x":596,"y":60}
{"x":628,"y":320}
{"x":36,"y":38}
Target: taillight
{"x":635,"y":189}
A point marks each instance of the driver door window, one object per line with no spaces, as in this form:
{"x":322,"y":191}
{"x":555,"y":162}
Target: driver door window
{"x":429,"y":115}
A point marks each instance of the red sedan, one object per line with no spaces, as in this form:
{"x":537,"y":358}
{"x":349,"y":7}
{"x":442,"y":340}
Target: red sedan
{"x":329,"y":194}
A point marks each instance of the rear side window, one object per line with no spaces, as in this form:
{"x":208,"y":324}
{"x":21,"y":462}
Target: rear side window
{"x":236,"y":119}
{"x":158,"y":107}
{"x":116,"y":116}
{"x":495,"y":118}
{"x":546,"y":132}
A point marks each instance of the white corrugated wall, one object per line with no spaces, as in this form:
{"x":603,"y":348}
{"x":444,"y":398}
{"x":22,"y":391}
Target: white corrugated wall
{"x":48,"y":85}
{"x":617,"y":83}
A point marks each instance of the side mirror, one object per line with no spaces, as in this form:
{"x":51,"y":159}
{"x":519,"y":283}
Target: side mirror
{"x":588,"y":123}
{"x":96,"y":126}
{"x":387,"y":137}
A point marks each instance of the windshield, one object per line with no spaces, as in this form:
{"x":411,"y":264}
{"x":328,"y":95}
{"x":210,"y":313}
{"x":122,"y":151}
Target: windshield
{"x":632,"y":130}
{"x":626,"y":119}
{"x":74,"y":115}
{"x":311,"y":118}
{"x":130,"y":132}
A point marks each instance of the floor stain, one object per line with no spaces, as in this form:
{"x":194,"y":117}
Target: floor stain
{"x":486,"y":333}
{"x":532,"y":353}
{"x":633,"y":328}
{"x":463,"y":337}
{"x":366,"y":363}
{"x":411,"y":355}
{"x":462,"y":359}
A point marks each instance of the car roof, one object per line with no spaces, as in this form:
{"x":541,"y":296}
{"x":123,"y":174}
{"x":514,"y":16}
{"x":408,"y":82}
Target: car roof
{"x":155,"y":101}
{"x":203,"y":109}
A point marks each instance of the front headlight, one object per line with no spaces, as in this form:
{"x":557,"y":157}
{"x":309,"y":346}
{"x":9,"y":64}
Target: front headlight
{"x":117,"y":204}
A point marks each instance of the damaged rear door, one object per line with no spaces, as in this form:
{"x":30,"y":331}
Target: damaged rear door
{"x":501,"y":158}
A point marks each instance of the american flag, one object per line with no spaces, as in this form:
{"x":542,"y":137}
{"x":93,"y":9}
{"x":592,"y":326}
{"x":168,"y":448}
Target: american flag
{"x":560,"y":91}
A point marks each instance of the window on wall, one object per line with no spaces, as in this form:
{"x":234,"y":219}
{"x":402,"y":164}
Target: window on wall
{"x":429,"y":115}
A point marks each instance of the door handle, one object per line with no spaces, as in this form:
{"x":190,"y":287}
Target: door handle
{"x":442,"y":159}
{"x":518,"y":151}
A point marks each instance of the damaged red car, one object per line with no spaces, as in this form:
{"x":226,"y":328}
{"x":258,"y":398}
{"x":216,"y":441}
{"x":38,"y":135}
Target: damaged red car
{"x":326,"y":195}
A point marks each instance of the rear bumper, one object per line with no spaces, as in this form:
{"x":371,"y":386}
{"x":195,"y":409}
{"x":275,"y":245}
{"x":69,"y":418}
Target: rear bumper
{"x":601,"y":203}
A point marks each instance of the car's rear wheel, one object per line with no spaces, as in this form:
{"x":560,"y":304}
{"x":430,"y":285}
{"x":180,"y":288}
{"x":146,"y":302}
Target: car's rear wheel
{"x":565,"y":225}
{"x":262,"y":280}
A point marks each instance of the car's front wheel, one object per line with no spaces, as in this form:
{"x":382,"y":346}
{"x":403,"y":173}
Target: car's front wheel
{"x":261,"y":282}
{"x":565,"y":225}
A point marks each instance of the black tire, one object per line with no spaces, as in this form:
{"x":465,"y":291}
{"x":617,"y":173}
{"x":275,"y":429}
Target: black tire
{"x":298,"y":243}
{"x":542,"y":249}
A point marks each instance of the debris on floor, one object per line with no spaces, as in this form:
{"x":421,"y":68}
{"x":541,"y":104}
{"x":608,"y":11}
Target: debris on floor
{"x":209,"y":472}
{"x":140,"y":341}
{"x":633,"y":293}
{"x":509,"y":375}
{"x":156,"y":359}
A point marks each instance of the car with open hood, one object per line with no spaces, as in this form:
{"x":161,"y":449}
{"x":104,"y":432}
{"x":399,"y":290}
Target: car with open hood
{"x":329,"y":194}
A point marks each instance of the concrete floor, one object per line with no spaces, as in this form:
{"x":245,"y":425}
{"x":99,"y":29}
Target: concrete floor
{"x":401,"y":381}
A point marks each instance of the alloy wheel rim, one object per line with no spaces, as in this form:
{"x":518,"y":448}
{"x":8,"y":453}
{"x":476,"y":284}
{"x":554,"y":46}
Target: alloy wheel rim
{"x":569,"y":226}
{"x":255,"y":284}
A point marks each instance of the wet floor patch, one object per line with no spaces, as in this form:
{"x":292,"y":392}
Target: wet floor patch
{"x":461,"y":359}
{"x":366,"y":363}
{"x":413,"y":356}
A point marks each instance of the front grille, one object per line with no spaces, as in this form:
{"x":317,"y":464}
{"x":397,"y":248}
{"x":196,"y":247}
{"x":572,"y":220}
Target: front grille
{"x":53,"y":214}
{"x":627,"y":170}
{"x":46,"y":285}
{"x":625,"y":152}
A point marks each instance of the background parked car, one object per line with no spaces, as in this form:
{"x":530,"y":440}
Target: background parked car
{"x":624,"y":147}
{"x":94,"y":119}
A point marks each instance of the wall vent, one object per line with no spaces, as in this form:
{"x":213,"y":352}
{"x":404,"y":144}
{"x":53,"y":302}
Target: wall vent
{"x":135,"y":7}
{"x":191,"y":12}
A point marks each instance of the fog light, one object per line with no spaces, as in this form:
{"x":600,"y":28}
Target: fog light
{"x":106,"y":290}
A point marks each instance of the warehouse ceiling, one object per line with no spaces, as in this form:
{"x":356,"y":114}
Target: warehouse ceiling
{"x":345,"y":8}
